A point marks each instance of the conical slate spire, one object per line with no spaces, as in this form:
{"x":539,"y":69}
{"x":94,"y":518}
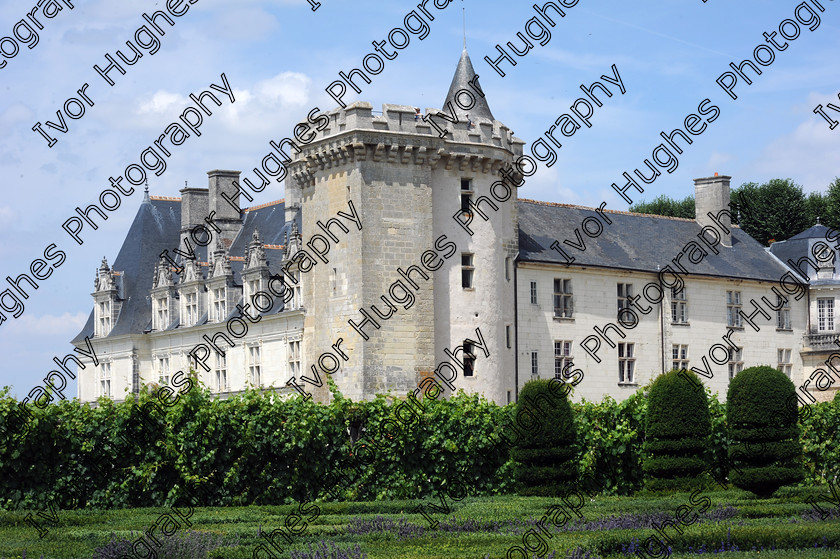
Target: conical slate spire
{"x":465,"y":74}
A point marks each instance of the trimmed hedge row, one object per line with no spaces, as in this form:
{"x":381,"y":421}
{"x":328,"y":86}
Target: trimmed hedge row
{"x":257,"y":448}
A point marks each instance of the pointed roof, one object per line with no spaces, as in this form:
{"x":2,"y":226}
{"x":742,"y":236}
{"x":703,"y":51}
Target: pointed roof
{"x":464,"y":74}
{"x":814,"y":232}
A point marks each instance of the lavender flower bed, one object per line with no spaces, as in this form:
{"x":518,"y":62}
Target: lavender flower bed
{"x":331,"y":551}
{"x":184,"y":545}
{"x":404,"y":529}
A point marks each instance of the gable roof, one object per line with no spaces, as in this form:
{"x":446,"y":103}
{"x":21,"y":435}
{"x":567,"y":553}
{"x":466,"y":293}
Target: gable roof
{"x":638,"y":242}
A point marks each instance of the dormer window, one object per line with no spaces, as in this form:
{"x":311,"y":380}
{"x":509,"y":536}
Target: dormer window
{"x":103,"y":319}
{"x":219,"y":304}
{"x":162,"y":313}
{"x":191,"y":309}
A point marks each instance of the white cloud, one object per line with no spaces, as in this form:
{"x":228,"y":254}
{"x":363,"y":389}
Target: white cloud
{"x":809,"y":153}
{"x":162,"y":102}
{"x":51,"y":325}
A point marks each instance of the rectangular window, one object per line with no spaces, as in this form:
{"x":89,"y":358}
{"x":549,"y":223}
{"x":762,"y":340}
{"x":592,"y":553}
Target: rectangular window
{"x":626,"y":363}
{"x":105,"y":379}
{"x":825,"y":312}
{"x":783,"y":314}
{"x":469,"y":359}
{"x":507,"y":268}
{"x":253,"y":287}
{"x":625,"y":291}
{"x":219,"y":305}
{"x":679,"y":356}
{"x":562,"y":358}
{"x":736,"y":361}
{"x":679,"y":306}
{"x":784,"y":361}
{"x":507,"y":336}
{"x":220,"y":372}
{"x":104,"y":318}
{"x":733,"y":307}
{"x":466,"y":195}
{"x":254,"y":365}
{"x":535,"y":364}
{"x":294,"y":358}
{"x":163,"y":371}
{"x":467,"y":270}
{"x":533,"y":293}
{"x":191,"y":304}
{"x":162,"y":313}
{"x":563,"y":303}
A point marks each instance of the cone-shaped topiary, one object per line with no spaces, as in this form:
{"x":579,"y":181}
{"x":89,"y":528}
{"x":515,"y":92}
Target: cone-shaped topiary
{"x":676,"y":432}
{"x":766,"y":451}
{"x":544,"y":452}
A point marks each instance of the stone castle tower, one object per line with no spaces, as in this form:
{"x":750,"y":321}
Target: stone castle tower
{"x":406,"y":180}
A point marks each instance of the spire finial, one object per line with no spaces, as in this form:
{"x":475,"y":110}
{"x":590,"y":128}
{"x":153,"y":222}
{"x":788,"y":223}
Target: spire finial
{"x":464,"y":11}
{"x":818,"y":220}
{"x":146,"y":192}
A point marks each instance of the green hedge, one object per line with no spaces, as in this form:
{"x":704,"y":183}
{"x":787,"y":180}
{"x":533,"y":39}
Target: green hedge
{"x":257,"y":448}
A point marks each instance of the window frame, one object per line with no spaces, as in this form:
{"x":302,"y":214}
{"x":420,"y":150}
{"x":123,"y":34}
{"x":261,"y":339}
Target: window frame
{"x":679,"y":356}
{"x":468,"y":270}
{"x":563,"y":359}
{"x":679,"y":306}
{"x":626,"y":362}
{"x":565,"y":297}
{"x":736,"y":361}
{"x":733,"y":309}
{"x":825,"y":314}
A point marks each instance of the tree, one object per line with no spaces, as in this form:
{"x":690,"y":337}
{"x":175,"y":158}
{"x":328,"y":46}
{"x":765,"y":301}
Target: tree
{"x":663,"y":205}
{"x":774,"y":210}
{"x":545,"y":451}
{"x":676,"y":431}
{"x":831,"y":217}
{"x":766,"y":451}
{"x":816,"y":205}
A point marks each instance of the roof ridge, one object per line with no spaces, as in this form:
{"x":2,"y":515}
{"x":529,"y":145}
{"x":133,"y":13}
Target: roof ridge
{"x":165,"y":198}
{"x":576,"y":206}
{"x":267,"y":204}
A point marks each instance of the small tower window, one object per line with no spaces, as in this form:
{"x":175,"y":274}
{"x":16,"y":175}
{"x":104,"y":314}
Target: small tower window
{"x":466,"y":194}
{"x":467,"y":270}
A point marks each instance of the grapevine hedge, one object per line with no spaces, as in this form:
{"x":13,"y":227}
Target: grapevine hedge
{"x":258,"y":448}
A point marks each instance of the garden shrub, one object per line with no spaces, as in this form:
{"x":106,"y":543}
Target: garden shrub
{"x":677,"y":429}
{"x":544,"y":454}
{"x":766,"y":451}
{"x":609,"y":442}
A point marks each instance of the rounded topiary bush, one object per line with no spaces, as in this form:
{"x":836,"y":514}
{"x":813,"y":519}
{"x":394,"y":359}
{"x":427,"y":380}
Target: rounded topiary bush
{"x":766,"y":451}
{"x":677,"y":430}
{"x":544,"y":453}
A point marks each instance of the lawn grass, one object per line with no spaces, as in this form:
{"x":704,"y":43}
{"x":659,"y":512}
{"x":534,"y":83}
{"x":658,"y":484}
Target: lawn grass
{"x":775,"y":522}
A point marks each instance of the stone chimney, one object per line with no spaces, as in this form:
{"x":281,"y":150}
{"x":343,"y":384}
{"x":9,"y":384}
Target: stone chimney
{"x":711,"y":206}
{"x":224,"y":201}
{"x":194,"y":208}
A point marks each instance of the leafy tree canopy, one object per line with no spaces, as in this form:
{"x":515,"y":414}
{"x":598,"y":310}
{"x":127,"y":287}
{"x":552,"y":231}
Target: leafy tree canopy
{"x":775,"y":210}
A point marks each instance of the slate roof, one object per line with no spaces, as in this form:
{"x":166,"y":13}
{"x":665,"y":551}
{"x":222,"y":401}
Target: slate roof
{"x":636,"y":242}
{"x":156,"y":227}
{"x":800,"y":246}
{"x":464,"y":73}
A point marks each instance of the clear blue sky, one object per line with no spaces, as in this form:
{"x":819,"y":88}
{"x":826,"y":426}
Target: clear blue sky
{"x":279,"y":56}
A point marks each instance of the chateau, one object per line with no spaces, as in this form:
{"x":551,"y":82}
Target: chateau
{"x":364,"y":261}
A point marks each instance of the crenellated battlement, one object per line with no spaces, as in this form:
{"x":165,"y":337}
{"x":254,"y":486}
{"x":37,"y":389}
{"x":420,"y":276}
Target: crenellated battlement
{"x":405,"y":119}
{"x":400,"y":135}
